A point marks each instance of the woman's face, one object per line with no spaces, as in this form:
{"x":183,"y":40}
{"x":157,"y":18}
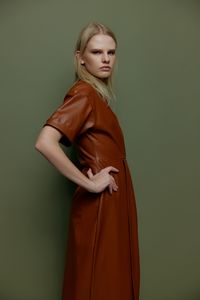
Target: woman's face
{"x":99,"y":56}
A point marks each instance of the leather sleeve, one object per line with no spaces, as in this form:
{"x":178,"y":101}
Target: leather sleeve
{"x":73,"y":117}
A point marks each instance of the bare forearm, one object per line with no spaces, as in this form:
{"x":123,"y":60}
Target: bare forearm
{"x":54,"y":154}
{"x":48,"y":144}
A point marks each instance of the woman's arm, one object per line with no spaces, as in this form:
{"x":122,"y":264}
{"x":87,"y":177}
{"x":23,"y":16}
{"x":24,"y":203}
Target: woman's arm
{"x":48,"y":145}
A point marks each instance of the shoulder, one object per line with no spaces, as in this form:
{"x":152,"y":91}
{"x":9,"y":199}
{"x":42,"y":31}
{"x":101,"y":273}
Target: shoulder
{"x":82,"y":93}
{"x":79,"y":97}
{"x":81,"y":88}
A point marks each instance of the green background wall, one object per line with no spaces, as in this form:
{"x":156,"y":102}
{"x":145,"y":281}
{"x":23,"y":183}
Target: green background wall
{"x":158,"y":95}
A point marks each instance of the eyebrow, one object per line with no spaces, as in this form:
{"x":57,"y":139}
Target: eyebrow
{"x":101,"y":49}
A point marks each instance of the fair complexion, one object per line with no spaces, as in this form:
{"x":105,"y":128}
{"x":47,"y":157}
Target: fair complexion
{"x":99,"y":56}
{"x":48,"y":144}
{"x":48,"y":140}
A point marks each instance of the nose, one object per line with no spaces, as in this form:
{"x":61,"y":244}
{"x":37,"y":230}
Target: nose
{"x":105,"y":57}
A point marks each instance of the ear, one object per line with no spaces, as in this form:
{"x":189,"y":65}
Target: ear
{"x":78,"y":56}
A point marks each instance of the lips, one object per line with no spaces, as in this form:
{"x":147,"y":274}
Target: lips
{"x":105,"y":68}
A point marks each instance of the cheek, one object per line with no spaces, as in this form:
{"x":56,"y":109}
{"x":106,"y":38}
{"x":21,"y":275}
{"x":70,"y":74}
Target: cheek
{"x":113,"y":59}
{"x":92,"y":62}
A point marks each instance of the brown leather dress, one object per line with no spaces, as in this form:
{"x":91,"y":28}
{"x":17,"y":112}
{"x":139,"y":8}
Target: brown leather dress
{"x":102,"y":260}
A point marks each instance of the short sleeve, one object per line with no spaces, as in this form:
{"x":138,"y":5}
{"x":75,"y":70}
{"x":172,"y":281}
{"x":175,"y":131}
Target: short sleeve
{"x":73,"y":117}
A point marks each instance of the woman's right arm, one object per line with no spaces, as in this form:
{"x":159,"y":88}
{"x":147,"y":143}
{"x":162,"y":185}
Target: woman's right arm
{"x":48,"y":145}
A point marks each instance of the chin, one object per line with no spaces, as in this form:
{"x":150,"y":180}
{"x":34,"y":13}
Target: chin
{"x":101,"y":77}
{"x":104,"y":76}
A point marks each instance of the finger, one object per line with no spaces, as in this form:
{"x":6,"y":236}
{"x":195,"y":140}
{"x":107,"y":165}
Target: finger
{"x":89,"y":172}
{"x":114,"y":188}
{"x":113,"y":181}
{"x":111,"y":168}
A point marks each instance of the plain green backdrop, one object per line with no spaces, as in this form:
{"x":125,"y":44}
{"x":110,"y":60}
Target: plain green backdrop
{"x":158,"y":94}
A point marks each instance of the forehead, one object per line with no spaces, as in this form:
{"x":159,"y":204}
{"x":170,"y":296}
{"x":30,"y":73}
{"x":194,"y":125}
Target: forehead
{"x":101,"y":41}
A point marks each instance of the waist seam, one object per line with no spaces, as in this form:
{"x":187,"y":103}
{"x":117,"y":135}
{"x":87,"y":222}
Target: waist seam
{"x":103,"y":160}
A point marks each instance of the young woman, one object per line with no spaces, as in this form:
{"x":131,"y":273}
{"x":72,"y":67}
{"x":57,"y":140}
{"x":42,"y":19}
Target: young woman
{"x":102,"y":260}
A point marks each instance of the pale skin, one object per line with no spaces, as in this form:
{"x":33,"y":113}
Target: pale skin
{"x":99,"y":52}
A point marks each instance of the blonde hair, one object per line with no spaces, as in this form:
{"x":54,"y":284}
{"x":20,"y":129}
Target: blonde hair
{"x":104,"y":88}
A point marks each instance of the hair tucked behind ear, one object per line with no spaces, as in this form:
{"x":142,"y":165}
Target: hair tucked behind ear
{"x":105,"y":89}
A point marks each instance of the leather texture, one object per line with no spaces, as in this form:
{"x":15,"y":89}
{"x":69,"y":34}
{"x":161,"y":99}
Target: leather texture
{"x":102,"y":259}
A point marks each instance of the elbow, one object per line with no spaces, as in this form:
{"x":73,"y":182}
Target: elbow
{"x":43,"y":145}
{"x":46,"y":140}
{"x":40,"y":145}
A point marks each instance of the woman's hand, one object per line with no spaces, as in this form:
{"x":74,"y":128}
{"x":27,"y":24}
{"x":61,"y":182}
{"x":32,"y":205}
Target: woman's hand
{"x":103,"y":179}
{"x":48,"y":144}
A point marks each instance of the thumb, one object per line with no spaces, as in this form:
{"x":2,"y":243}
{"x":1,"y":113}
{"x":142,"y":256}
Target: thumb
{"x":89,"y":172}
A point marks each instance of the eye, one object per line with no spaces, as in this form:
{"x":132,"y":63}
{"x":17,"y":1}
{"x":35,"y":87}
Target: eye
{"x":112,"y":52}
{"x":96,"y":51}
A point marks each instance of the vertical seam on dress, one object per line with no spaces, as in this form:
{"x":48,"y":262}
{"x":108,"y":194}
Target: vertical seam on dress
{"x":94,"y":249}
{"x":130,"y":232}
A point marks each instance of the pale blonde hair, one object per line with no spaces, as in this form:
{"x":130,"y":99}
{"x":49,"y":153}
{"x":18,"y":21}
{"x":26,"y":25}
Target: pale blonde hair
{"x":104,"y":88}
